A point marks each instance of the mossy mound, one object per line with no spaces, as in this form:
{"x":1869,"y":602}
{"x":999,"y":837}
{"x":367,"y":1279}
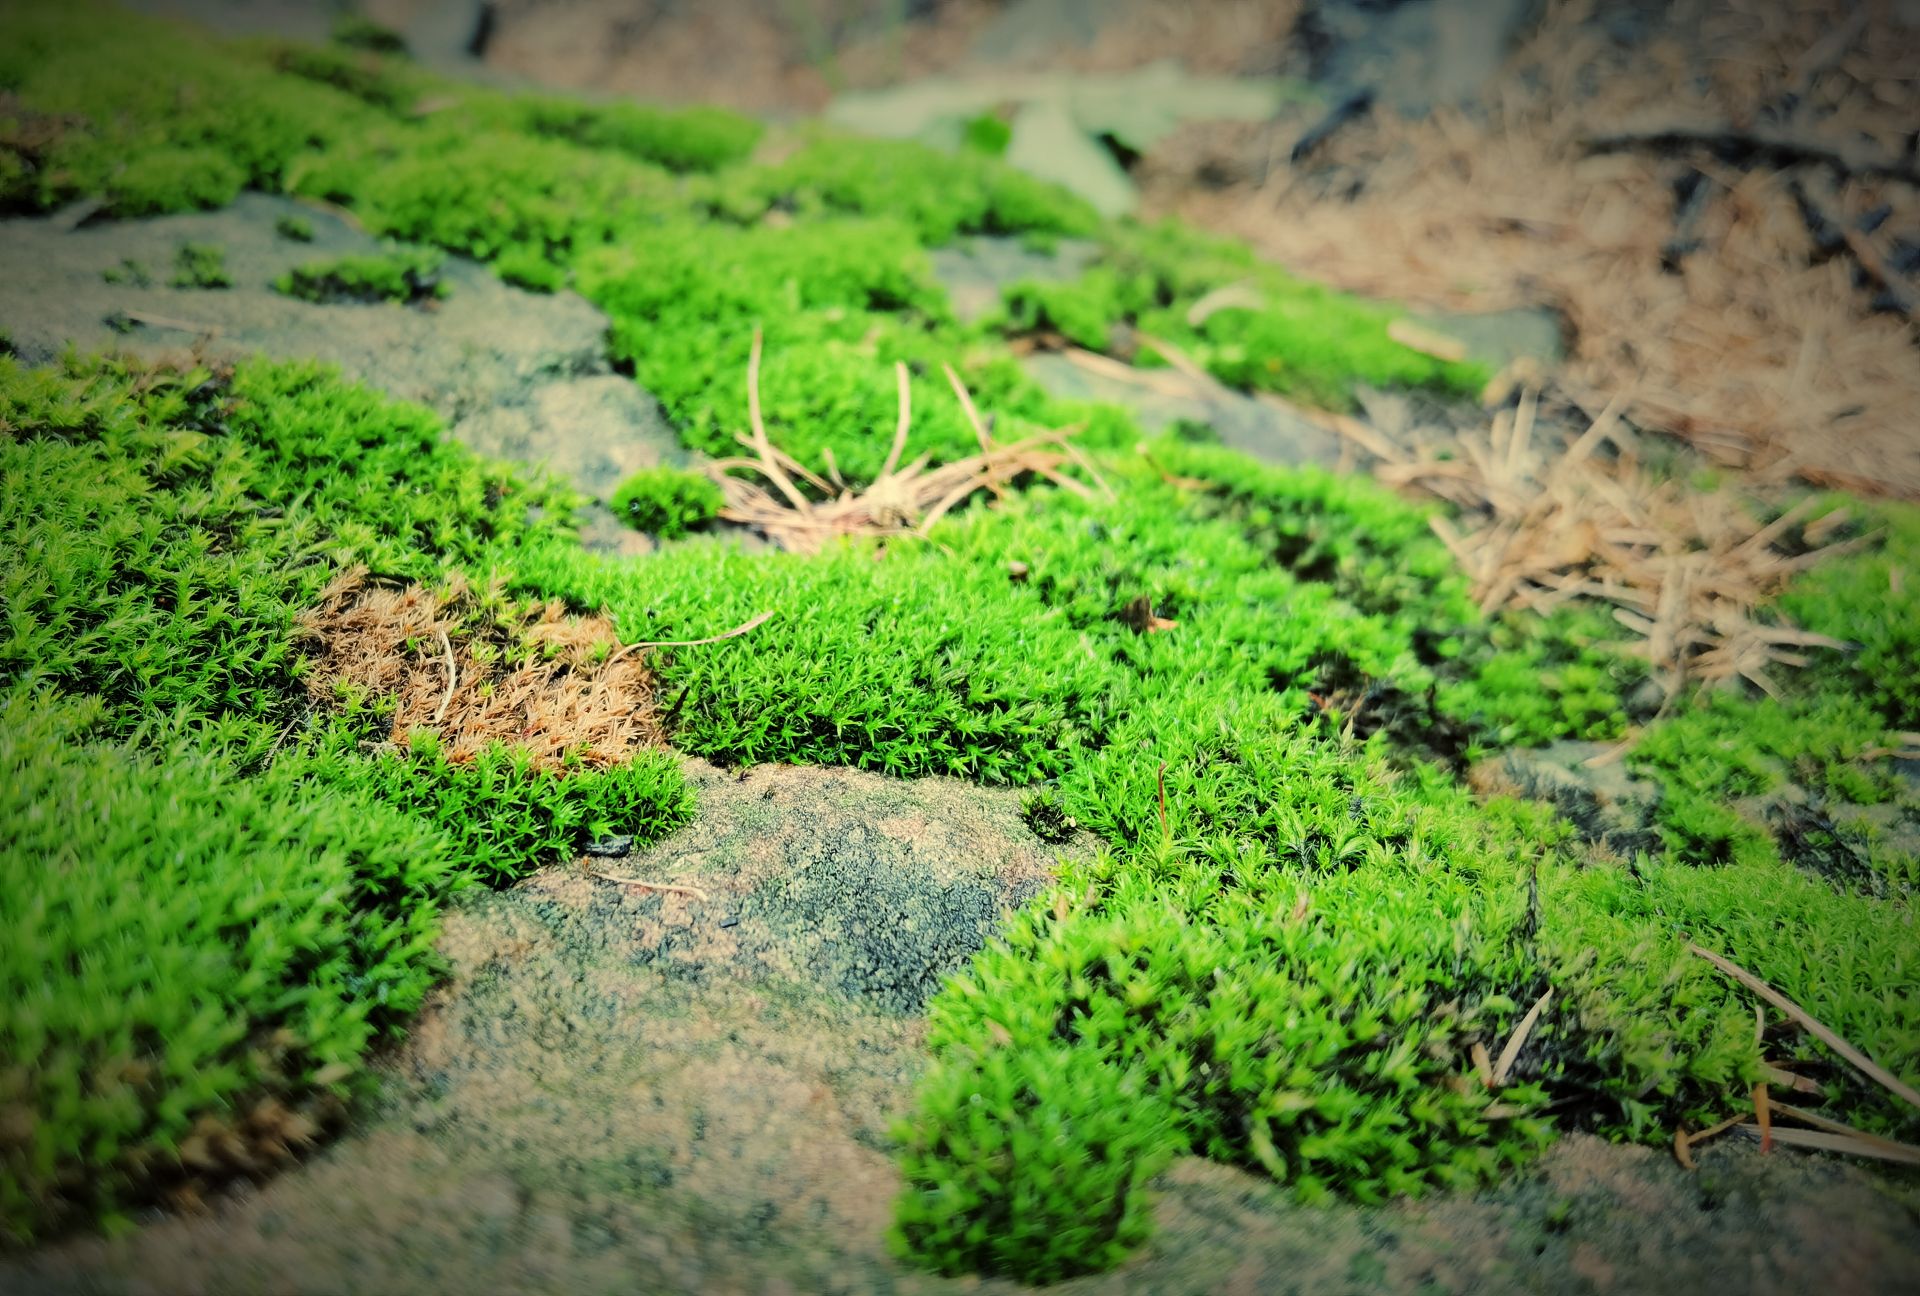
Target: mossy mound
{"x":1303,"y":940}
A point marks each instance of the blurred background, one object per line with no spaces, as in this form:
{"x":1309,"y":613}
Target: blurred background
{"x":1713,"y":206}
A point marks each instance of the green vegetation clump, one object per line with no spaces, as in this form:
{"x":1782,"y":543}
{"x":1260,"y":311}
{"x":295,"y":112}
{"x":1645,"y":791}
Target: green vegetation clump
{"x":186,"y":948}
{"x":1561,"y":676}
{"x":940,"y":195}
{"x":505,"y":815}
{"x":129,"y":271}
{"x":1086,"y":1139}
{"x":271,"y":889}
{"x":1263,"y":329}
{"x":840,"y":300}
{"x":356,"y":31}
{"x":297,"y":229}
{"x":1870,"y":599}
{"x":408,"y":275}
{"x":685,"y":139}
{"x":200,"y":265}
{"x":667,"y":502}
{"x":151,"y":119}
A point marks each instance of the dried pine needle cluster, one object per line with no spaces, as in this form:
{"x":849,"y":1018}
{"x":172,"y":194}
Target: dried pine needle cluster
{"x":475,"y":671}
{"x":1551,"y":521}
{"x":900,"y":500}
{"x":1717,"y":210}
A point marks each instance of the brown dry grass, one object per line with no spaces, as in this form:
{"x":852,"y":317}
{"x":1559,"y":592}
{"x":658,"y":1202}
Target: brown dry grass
{"x":475,"y":671}
{"x":1759,"y":347}
{"x":901,"y":500}
{"x":1551,"y":516}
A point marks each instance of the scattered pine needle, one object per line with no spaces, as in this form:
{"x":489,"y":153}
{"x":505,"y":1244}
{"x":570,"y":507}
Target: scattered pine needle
{"x":900,"y":500}
{"x":1861,"y":1062}
{"x":647,"y":884}
{"x":1879,"y":1150}
{"x":742,"y":628}
{"x":1684,"y":1143}
{"x":453,"y":676}
{"x":1511,"y":1052}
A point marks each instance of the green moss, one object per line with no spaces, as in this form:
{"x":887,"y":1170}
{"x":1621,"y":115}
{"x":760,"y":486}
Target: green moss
{"x":1269,"y":331}
{"x":525,"y":268}
{"x":1286,"y":963}
{"x":938,"y":194}
{"x":504,"y":816}
{"x":1037,"y":1166}
{"x":1548,"y":678}
{"x":296,"y":229}
{"x":271,"y":889}
{"x":183,"y":947}
{"x":685,"y":139}
{"x":403,"y":275}
{"x":389,"y":84}
{"x":1870,"y":599}
{"x":200,"y":265}
{"x":152,"y":118}
{"x":666,"y":502}
{"x":129,"y":271}
{"x":458,"y":185}
{"x":356,"y":31}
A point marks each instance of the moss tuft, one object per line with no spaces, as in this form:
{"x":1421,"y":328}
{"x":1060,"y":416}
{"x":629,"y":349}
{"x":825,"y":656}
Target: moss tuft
{"x":667,"y":502}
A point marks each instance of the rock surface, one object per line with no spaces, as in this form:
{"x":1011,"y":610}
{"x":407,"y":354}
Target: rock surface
{"x":517,"y":375}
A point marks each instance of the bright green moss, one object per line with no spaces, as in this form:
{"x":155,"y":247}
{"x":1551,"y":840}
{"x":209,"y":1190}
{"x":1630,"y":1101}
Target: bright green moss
{"x":1289,"y":971}
{"x":503,"y":815}
{"x":154,"y":118}
{"x":482,"y":193}
{"x":182,"y":945}
{"x":524,"y":267}
{"x":1871,"y":599}
{"x":1036,"y":1165}
{"x":389,"y":84}
{"x":1556,"y":677}
{"x":1270,"y":332}
{"x":686,"y":139}
{"x":402,"y":275}
{"x":666,"y":502}
{"x":938,"y":194}
{"x":200,"y":265}
{"x":270,"y":888}
{"x":358,"y":32}
{"x":154,"y":555}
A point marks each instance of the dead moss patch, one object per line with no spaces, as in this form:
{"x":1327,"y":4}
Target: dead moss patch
{"x":475,"y":670}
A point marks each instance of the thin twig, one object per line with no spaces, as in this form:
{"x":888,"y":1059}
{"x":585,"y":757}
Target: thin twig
{"x":905,"y":420}
{"x":1511,"y":1052}
{"x":1881,"y":1150}
{"x":760,"y":442}
{"x":453,"y":677}
{"x":647,"y":884}
{"x":1861,"y":1062}
{"x":740,"y":629}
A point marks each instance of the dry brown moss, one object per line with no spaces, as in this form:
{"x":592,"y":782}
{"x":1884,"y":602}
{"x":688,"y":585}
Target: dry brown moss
{"x":475,"y":670}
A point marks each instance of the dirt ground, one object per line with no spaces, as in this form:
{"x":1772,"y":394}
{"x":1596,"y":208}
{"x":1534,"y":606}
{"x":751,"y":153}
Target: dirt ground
{"x":624,"y":1089}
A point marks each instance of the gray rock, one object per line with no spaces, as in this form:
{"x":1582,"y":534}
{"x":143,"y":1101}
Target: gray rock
{"x":1605,"y":803}
{"x":1268,"y":432}
{"x":518,"y":375}
{"x":976,"y":271}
